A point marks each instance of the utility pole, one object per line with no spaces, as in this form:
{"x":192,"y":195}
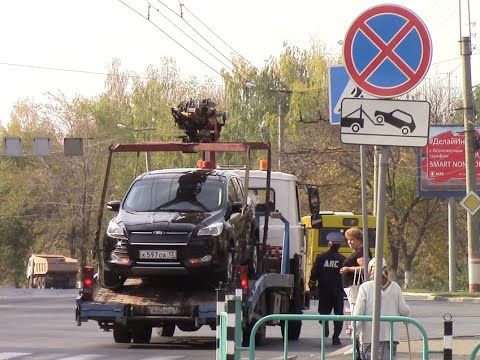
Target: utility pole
{"x":281,"y":136}
{"x":470,"y":165}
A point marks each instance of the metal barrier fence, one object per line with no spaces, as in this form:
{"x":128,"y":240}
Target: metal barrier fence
{"x":222,"y":341}
{"x":285,"y":318}
{"x":475,"y":351}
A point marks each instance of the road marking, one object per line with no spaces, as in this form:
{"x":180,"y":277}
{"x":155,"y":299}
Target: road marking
{"x":164,"y":358}
{"x":81,"y":357}
{"x":12,"y":355}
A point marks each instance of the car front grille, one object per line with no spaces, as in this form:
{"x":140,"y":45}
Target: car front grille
{"x":178,"y":241}
{"x":158,"y":237}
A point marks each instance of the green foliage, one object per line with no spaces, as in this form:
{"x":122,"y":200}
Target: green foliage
{"x":52,"y":203}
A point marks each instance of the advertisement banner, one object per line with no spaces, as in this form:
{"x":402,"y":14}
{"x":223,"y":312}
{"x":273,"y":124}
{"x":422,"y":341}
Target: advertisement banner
{"x":442,"y":162}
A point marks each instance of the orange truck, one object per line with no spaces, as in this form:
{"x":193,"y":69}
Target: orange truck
{"x":52,"y":271}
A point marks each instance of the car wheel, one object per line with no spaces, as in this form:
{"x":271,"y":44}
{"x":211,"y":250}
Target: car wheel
{"x":405,"y":130}
{"x":112,"y":280}
{"x":380,"y":119}
{"x":230,"y":267}
{"x":255,"y":267}
{"x":355,"y":128}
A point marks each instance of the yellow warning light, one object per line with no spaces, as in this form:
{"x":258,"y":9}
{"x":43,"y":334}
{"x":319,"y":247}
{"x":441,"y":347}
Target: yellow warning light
{"x":263,"y":165}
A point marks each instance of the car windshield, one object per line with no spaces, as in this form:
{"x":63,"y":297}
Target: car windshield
{"x":190,"y":192}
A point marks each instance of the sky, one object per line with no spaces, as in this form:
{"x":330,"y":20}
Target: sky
{"x":84,"y":36}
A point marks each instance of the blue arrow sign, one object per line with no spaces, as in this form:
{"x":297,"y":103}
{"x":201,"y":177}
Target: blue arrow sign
{"x":340,"y":86}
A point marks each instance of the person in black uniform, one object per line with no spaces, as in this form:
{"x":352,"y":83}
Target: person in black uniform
{"x":325,"y":276}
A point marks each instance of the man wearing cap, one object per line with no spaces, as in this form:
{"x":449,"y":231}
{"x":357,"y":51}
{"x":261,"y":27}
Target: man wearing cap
{"x":326,"y":277}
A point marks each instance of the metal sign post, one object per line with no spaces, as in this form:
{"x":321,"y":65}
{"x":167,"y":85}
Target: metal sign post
{"x":387,"y":52}
{"x":377,"y":300}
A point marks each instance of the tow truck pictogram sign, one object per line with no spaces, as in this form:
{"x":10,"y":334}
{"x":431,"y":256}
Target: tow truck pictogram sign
{"x":387,"y":50}
{"x":384,"y":122}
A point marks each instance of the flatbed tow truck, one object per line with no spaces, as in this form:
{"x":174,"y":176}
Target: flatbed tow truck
{"x":143,"y":304}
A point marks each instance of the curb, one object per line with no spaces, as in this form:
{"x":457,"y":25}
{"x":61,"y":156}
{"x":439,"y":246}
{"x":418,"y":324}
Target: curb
{"x":429,"y":296}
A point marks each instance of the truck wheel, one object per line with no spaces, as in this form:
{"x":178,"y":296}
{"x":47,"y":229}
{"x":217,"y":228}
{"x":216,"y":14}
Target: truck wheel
{"x":142,"y":334}
{"x":112,"y":280}
{"x":30,"y":282}
{"x":121,"y":334}
{"x":294,"y":329}
{"x":41,"y":282}
{"x":261,"y":334}
{"x":168,"y":330}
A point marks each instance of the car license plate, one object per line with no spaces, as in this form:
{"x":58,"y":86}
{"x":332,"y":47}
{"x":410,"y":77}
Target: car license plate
{"x":158,"y":254}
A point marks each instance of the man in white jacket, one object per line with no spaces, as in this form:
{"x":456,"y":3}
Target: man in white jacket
{"x":392,"y":304}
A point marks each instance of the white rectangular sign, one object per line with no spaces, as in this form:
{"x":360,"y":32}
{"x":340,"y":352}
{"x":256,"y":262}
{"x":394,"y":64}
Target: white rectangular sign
{"x":385,"y":122}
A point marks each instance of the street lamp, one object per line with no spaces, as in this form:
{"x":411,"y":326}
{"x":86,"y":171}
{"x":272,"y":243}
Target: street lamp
{"x":148,"y":159}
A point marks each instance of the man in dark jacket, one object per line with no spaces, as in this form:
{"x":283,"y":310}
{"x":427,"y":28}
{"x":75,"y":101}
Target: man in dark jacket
{"x":326,"y":277}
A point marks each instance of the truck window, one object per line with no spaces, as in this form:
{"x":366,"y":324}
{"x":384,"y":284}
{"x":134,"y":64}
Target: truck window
{"x":258,"y":195}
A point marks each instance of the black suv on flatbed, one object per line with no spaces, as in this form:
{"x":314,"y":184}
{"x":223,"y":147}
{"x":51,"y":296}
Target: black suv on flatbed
{"x":181,"y":222}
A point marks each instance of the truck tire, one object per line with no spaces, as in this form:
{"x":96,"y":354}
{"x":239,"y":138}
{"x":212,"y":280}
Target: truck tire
{"x":298,"y":300}
{"x":121,"y":334}
{"x":261,"y":334}
{"x":294,"y":329}
{"x":30,"y":282}
{"x":142,"y":334}
{"x":168,"y":330}
{"x":41,"y":282}
{"x":188,"y":327}
{"x":111,"y":280}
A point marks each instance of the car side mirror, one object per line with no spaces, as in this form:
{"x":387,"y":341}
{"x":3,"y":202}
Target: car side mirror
{"x":113,"y":205}
{"x":237,"y":207}
{"x":313,"y":200}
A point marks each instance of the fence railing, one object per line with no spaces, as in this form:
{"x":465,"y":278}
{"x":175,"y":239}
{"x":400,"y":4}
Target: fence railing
{"x":286,"y":318}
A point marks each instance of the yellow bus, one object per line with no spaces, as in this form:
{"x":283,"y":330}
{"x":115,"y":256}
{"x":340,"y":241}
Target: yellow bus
{"x":318,"y":226}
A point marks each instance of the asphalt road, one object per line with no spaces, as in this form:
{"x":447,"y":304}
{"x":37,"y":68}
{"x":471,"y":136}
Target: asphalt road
{"x":39,"y":324}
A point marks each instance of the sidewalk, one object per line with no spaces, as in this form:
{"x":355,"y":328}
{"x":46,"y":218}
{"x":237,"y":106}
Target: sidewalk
{"x":427,"y":296}
{"x":462,"y":349}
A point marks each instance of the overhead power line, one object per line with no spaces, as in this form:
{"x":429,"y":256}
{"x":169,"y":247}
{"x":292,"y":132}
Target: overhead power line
{"x":54,"y":68}
{"x":182,"y":6}
{"x":184,"y":33}
{"x":171,"y":38}
{"x":191,"y":27}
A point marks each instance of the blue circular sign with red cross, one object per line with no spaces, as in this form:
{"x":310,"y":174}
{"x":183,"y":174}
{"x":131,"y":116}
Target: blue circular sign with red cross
{"x":387,"y":50}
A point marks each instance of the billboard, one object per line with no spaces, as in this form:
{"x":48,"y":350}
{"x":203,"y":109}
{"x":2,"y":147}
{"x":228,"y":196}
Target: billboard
{"x":441,"y":163}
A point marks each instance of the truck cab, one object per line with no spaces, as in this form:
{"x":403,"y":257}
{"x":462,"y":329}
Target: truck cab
{"x":284,"y":199}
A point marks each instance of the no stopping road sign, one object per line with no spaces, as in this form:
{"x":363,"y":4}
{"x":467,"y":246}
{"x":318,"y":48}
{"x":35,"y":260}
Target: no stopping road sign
{"x":387,"y":50}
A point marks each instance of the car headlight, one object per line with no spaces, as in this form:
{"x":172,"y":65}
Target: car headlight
{"x":211,"y":230}
{"x":115,"y":230}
